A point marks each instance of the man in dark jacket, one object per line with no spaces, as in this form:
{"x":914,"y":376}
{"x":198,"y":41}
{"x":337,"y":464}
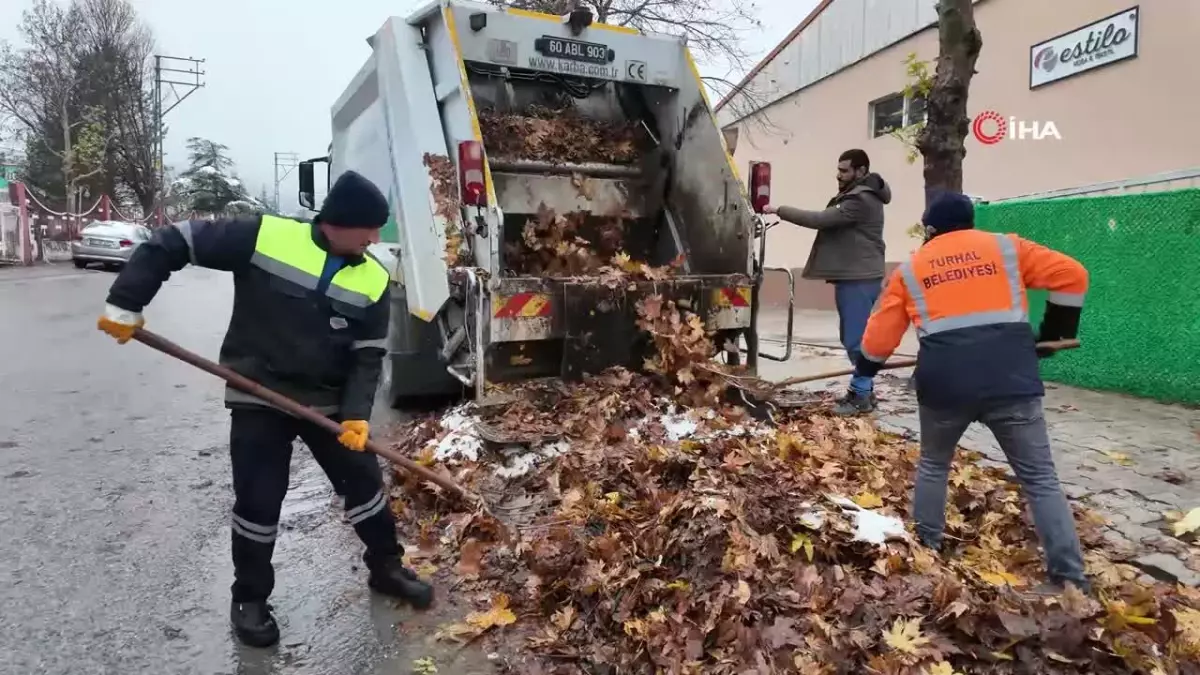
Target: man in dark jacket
{"x":310,"y":321}
{"x":849,"y":253}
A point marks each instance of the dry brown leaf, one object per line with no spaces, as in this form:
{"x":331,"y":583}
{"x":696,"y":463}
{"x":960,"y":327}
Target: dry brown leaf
{"x":905,"y":636}
{"x":564,"y":618}
{"x":470,"y":560}
{"x":868,"y":500}
{"x":1187,"y":524}
{"x":1118,"y":457}
{"x":497,"y":615}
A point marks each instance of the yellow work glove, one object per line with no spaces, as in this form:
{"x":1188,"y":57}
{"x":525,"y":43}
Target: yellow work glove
{"x":120,"y":323}
{"x":354,"y":434}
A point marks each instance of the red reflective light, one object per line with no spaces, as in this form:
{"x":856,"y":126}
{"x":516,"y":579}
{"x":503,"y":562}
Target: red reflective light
{"x":760,"y":185}
{"x":470,"y":174}
{"x":125,"y":243}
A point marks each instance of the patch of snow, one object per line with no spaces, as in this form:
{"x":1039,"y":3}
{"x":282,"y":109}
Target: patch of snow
{"x":692,"y":424}
{"x":521,"y":461}
{"x":872,"y":527}
{"x":461,"y":442}
{"x":813,"y":520}
{"x":679,"y":427}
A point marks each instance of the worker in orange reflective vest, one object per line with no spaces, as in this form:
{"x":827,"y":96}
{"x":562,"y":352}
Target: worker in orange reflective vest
{"x":964,"y":291}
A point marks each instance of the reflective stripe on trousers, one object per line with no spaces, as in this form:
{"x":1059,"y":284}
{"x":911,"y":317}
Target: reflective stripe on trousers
{"x":1017,"y":314}
{"x":263,"y":534}
{"x":373,"y":506}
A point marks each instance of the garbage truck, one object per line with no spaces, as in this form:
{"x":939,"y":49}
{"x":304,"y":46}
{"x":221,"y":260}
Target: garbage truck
{"x":463,"y":316}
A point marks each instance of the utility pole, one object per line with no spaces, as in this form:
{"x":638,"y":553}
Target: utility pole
{"x":175,"y":78}
{"x":285,"y":162}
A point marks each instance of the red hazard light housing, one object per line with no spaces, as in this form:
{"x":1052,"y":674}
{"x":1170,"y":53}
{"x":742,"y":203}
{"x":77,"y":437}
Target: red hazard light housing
{"x":760,"y":185}
{"x":472,"y":189}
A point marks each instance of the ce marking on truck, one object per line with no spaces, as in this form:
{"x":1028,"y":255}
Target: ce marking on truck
{"x":635,"y":70}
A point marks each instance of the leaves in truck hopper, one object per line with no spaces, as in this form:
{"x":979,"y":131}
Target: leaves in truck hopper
{"x":578,"y":246}
{"x":559,"y":136}
{"x":664,"y":530}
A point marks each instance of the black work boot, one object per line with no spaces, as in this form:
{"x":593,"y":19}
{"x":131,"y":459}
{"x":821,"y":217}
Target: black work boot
{"x":254,"y":624}
{"x":854,"y":403}
{"x":390,"y":577}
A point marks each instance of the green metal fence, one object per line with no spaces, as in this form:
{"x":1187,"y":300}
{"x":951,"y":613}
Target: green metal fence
{"x":1141,"y":322}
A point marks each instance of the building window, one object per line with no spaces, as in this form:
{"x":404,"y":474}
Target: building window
{"x":896,"y":112}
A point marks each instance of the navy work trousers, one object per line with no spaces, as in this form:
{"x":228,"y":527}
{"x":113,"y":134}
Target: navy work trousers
{"x":260,"y":444}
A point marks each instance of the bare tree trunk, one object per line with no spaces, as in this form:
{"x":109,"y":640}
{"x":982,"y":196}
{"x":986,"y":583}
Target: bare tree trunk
{"x":67,"y":156}
{"x":941,"y":141}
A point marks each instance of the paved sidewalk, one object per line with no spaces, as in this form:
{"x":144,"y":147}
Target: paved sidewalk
{"x":1128,"y":459}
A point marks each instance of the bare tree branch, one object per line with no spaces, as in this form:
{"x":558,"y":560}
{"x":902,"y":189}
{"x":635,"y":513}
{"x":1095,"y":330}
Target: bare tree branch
{"x":82,"y":72}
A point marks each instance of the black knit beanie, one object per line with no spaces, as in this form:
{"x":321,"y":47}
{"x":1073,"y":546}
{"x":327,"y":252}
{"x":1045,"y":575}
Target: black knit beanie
{"x":949,"y":212}
{"x":353,"y":201}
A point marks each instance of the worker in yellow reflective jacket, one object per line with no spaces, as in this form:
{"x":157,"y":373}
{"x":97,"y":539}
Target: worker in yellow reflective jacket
{"x":310,"y":321}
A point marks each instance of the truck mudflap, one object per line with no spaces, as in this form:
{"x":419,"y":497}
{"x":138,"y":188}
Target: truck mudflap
{"x":530,"y":309}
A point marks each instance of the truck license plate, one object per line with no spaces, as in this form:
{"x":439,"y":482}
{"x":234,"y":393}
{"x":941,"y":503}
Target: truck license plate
{"x":575,"y":50}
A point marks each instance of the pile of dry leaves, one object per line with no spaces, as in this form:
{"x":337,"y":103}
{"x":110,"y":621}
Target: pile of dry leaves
{"x":559,"y":136}
{"x":646,"y":537}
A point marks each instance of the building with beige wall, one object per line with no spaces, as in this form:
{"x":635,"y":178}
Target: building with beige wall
{"x":1121,"y":107}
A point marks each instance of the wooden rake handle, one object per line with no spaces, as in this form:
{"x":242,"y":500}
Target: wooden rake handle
{"x":248,"y":386}
{"x":902,"y":363}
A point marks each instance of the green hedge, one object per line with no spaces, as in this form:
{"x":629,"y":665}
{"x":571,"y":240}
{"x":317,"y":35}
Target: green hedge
{"x":1141,"y":322}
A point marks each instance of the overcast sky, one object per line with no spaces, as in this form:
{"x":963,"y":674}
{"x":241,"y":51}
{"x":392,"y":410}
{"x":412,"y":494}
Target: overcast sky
{"x":274,"y":68}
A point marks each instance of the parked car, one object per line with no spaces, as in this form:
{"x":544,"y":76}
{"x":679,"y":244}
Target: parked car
{"x":107,"y":242}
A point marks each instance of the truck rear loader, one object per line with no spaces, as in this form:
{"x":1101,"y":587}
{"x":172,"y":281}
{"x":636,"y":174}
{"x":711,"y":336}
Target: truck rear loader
{"x":464,"y":314}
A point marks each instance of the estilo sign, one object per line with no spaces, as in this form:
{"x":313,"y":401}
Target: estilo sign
{"x":1102,"y":43}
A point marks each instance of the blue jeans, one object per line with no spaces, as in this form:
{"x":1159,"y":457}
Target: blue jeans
{"x":855,"y":300}
{"x":1020,"y":429}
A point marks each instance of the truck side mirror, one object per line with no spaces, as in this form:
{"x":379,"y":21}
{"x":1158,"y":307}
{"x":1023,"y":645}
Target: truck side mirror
{"x":308,"y":189}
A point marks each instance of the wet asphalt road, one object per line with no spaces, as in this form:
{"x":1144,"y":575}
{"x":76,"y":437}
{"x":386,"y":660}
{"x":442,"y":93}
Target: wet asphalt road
{"x":115,"y":494}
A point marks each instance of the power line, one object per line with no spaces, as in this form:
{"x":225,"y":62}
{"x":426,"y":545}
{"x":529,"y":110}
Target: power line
{"x":175,"y":79}
{"x":286,"y":162}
